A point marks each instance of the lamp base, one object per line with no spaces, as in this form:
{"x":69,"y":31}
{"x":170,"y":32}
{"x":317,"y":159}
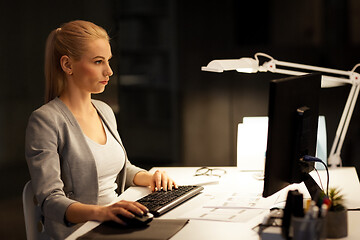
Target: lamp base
{"x":334,"y":161}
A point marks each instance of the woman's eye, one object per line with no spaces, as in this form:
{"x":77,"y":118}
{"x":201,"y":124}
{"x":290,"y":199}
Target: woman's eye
{"x":98,"y":61}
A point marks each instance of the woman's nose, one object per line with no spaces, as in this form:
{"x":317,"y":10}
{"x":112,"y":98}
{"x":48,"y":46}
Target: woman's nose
{"x":108,"y":71}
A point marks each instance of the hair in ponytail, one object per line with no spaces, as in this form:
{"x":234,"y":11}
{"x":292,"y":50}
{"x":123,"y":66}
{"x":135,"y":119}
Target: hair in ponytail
{"x":70,"y":39}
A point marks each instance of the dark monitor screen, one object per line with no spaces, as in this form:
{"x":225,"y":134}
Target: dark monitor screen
{"x":292,"y":130}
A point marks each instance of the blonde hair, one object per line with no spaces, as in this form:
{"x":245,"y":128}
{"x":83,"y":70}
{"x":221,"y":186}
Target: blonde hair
{"x":70,"y":39}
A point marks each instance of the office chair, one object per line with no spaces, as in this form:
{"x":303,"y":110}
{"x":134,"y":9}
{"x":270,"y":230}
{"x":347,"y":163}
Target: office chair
{"x":32,"y":214}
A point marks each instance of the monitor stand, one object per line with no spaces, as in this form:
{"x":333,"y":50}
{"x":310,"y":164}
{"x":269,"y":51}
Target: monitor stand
{"x":313,"y":188}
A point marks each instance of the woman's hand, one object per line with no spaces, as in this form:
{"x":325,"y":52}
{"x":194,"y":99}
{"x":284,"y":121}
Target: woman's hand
{"x":125,"y":208}
{"x":157,"y":181}
{"x":160,"y":180}
{"x":78,"y":212}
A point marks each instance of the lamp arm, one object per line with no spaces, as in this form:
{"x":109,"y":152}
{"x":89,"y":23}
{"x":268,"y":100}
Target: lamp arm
{"x":342,"y":120}
{"x":334,"y":157}
{"x":324,"y":77}
{"x":273,"y":66}
{"x":287,"y":72}
{"x":312,"y":68}
{"x":347,"y":122}
{"x":272,"y":63}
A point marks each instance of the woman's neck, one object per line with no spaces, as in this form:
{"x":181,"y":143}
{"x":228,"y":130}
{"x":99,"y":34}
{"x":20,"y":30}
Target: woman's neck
{"x":80,"y":106}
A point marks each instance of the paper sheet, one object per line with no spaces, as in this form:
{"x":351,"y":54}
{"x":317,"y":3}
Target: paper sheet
{"x":241,"y":201}
{"x":226,"y":215}
{"x":232,"y":207}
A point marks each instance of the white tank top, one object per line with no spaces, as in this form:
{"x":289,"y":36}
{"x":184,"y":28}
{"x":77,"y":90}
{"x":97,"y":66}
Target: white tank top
{"x":110,"y":159}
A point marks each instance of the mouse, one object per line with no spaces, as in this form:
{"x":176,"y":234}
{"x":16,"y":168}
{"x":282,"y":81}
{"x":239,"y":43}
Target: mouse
{"x":137,"y":221}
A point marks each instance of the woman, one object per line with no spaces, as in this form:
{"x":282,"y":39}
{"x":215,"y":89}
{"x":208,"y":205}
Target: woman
{"x":77,"y":162}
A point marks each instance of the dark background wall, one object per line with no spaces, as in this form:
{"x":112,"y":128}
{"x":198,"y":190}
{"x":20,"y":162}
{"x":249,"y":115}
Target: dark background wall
{"x":169,"y":112}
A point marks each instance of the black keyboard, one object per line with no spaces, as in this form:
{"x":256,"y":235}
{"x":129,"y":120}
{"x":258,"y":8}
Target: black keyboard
{"x":160,"y":202}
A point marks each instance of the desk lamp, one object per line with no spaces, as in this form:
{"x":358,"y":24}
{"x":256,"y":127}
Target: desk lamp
{"x":340,"y":77}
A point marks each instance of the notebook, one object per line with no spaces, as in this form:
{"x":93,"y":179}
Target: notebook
{"x":158,"y":229}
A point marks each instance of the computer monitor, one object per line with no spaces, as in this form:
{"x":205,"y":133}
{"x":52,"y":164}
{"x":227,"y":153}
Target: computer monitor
{"x":292,"y":132}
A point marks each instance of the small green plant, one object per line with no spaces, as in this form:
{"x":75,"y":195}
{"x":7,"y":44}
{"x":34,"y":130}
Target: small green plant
{"x":337,"y":200}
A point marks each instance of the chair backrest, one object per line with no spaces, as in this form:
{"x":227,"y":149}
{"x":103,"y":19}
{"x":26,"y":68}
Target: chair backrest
{"x":32,"y":214}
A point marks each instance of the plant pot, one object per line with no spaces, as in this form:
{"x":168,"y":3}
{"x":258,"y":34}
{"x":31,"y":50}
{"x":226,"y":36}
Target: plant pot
{"x":336,"y":224}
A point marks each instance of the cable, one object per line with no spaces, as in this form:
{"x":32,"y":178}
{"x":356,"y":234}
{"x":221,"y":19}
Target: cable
{"x":308,"y":158}
{"x":317,"y":172}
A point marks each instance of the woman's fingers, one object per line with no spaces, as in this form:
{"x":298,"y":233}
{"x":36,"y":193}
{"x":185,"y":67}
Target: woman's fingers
{"x":157,"y":179}
{"x":121,"y":211}
{"x":161,"y":180}
{"x":164,"y":182}
{"x":172,"y":184}
{"x":128,"y":209}
{"x":142,"y":207}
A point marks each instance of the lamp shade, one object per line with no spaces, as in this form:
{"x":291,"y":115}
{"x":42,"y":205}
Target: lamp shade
{"x":245,"y":65}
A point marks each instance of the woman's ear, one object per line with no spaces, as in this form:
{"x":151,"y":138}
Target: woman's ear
{"x":66,"y":64}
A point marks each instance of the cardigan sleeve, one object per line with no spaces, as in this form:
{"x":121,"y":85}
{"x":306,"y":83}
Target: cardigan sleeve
{"x":41,"y":152}
{"x":131,"y":171}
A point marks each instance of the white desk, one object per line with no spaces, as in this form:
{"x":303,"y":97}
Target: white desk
{"x":235,"y":181}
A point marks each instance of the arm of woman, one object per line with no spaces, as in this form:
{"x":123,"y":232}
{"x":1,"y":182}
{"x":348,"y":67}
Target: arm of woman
{"x":79,"y":212}
{"x":43,"y":161}
{"x":157,"y":181}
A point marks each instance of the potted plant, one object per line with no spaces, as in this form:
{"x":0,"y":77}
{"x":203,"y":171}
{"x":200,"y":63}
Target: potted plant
{"x":336,"y":220}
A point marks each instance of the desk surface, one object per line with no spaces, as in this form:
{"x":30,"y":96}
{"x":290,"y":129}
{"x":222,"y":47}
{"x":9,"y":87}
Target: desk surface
{"x":236,"y":181}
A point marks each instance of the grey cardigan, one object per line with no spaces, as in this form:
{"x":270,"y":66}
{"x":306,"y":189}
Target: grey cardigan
{"x":61,"y":165}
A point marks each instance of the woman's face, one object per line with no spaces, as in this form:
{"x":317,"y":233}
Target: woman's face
{"x":91,"y":73}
